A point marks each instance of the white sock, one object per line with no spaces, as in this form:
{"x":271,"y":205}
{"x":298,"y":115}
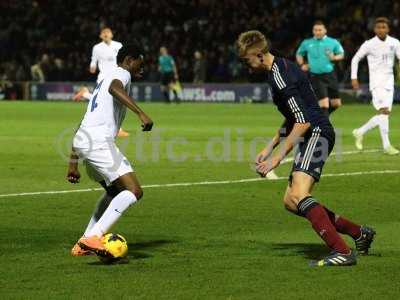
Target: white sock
{"x":87,"y":95}
{"x":372,"y":123}
{"x":384,"y":130}
{"x":101,"y":206}
{"x":113,"y":212}
{"x":90,"y":225}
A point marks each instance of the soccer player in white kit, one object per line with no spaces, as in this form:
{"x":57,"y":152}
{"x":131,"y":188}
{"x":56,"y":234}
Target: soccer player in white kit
{"x":380,"y":51}
{"x":94,"y":143}
{"x":104,"y":57}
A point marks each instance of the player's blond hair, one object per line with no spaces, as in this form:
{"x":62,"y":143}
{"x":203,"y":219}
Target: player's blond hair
{"x":251,"y":39}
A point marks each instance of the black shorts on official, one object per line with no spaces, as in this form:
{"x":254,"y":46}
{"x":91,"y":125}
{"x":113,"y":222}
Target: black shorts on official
{"x":167,"y":78}
{"x":313,"y":152}
{"x":325,"y":85}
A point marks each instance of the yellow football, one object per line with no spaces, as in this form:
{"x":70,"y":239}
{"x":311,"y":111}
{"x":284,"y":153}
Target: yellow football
{"x":116,"y":245}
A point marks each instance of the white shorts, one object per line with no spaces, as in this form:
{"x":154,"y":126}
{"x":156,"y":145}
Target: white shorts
{"x":382,"y":97}
{"x":102,"y":159}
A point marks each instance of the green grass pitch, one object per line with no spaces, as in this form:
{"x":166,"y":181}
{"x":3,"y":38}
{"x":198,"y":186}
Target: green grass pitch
{"x":222,"y":241}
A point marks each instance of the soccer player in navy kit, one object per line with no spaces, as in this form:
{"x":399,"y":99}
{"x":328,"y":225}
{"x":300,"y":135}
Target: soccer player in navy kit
{"x":308,"y":127}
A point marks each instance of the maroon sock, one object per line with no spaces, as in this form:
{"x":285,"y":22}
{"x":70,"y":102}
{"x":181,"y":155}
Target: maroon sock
{"x":343,"y":225}
{"x":319,"y":219}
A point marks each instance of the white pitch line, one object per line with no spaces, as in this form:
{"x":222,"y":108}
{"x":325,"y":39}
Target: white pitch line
{"x":183,"y":184}
{"x":49,"y":192}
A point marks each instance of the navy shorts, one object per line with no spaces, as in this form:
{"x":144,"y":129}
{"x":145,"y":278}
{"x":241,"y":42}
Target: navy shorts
{"x":313,"y":151}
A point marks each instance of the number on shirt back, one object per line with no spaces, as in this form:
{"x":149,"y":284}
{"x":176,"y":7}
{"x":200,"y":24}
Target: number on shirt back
{"x":95,"y":92}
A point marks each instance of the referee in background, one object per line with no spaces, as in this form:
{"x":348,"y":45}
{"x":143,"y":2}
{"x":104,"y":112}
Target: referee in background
{"x":321,"y":52}
{"x":169,"y":74}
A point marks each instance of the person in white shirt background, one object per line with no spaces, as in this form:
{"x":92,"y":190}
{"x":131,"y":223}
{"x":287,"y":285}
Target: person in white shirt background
{"x":381,"y":52}
{"x":104,"y":58}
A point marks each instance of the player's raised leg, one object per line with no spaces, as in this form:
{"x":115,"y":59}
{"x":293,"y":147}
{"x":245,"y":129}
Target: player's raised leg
{"x":130,"y":192}
{"x":299,"y":200}
{"x":384,"y":131}
{"x":377,"y":120}
{"x":101,"y":206}
{"x":382,"y":101}
{"x":363,"y":236}
{"x":359,"y":133}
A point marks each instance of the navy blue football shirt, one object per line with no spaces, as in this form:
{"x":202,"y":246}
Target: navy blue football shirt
{"x":294,"y":96}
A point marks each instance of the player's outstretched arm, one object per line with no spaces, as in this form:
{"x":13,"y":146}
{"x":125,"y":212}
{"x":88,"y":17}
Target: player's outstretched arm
{"x":93,"y":61}
{"x":267,"y":151}
{"x":294,"y":105}
{"x":118,"y":92}
{"x":298,"y":131}
{"x":360,"y":54}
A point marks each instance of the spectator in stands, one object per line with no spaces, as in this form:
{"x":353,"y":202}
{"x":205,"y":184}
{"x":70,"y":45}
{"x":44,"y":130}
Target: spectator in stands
{"x":58,"y":73}
{"x":30,"y":28}
{"x":199,"y":68}
{"x":4,"y":84}
{"x":221,"y":72}
{"x":7,"y":88}
{"x":41,"y":69}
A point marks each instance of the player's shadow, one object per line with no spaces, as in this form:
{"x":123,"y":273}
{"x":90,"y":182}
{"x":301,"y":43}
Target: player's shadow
{"x":309,"y":251}
{"x":136,"y":250}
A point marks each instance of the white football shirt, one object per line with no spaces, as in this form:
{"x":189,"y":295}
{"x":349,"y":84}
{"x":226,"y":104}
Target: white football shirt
{"x":105,"y":57}
{"x":381,"y":57}
{"x":104,"y":114}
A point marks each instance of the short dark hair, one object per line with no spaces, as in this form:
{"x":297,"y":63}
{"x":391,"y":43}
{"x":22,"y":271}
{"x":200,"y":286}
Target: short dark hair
{"x":319,"y":22}
{"x":382,"y":20}
{"x":105,"y":28}
{"x":132,"y":49}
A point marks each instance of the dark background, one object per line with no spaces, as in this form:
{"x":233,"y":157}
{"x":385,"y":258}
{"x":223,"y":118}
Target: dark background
{"x":67,"y":31}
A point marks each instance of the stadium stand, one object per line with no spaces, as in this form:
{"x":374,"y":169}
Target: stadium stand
{"x":65,"y":31}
